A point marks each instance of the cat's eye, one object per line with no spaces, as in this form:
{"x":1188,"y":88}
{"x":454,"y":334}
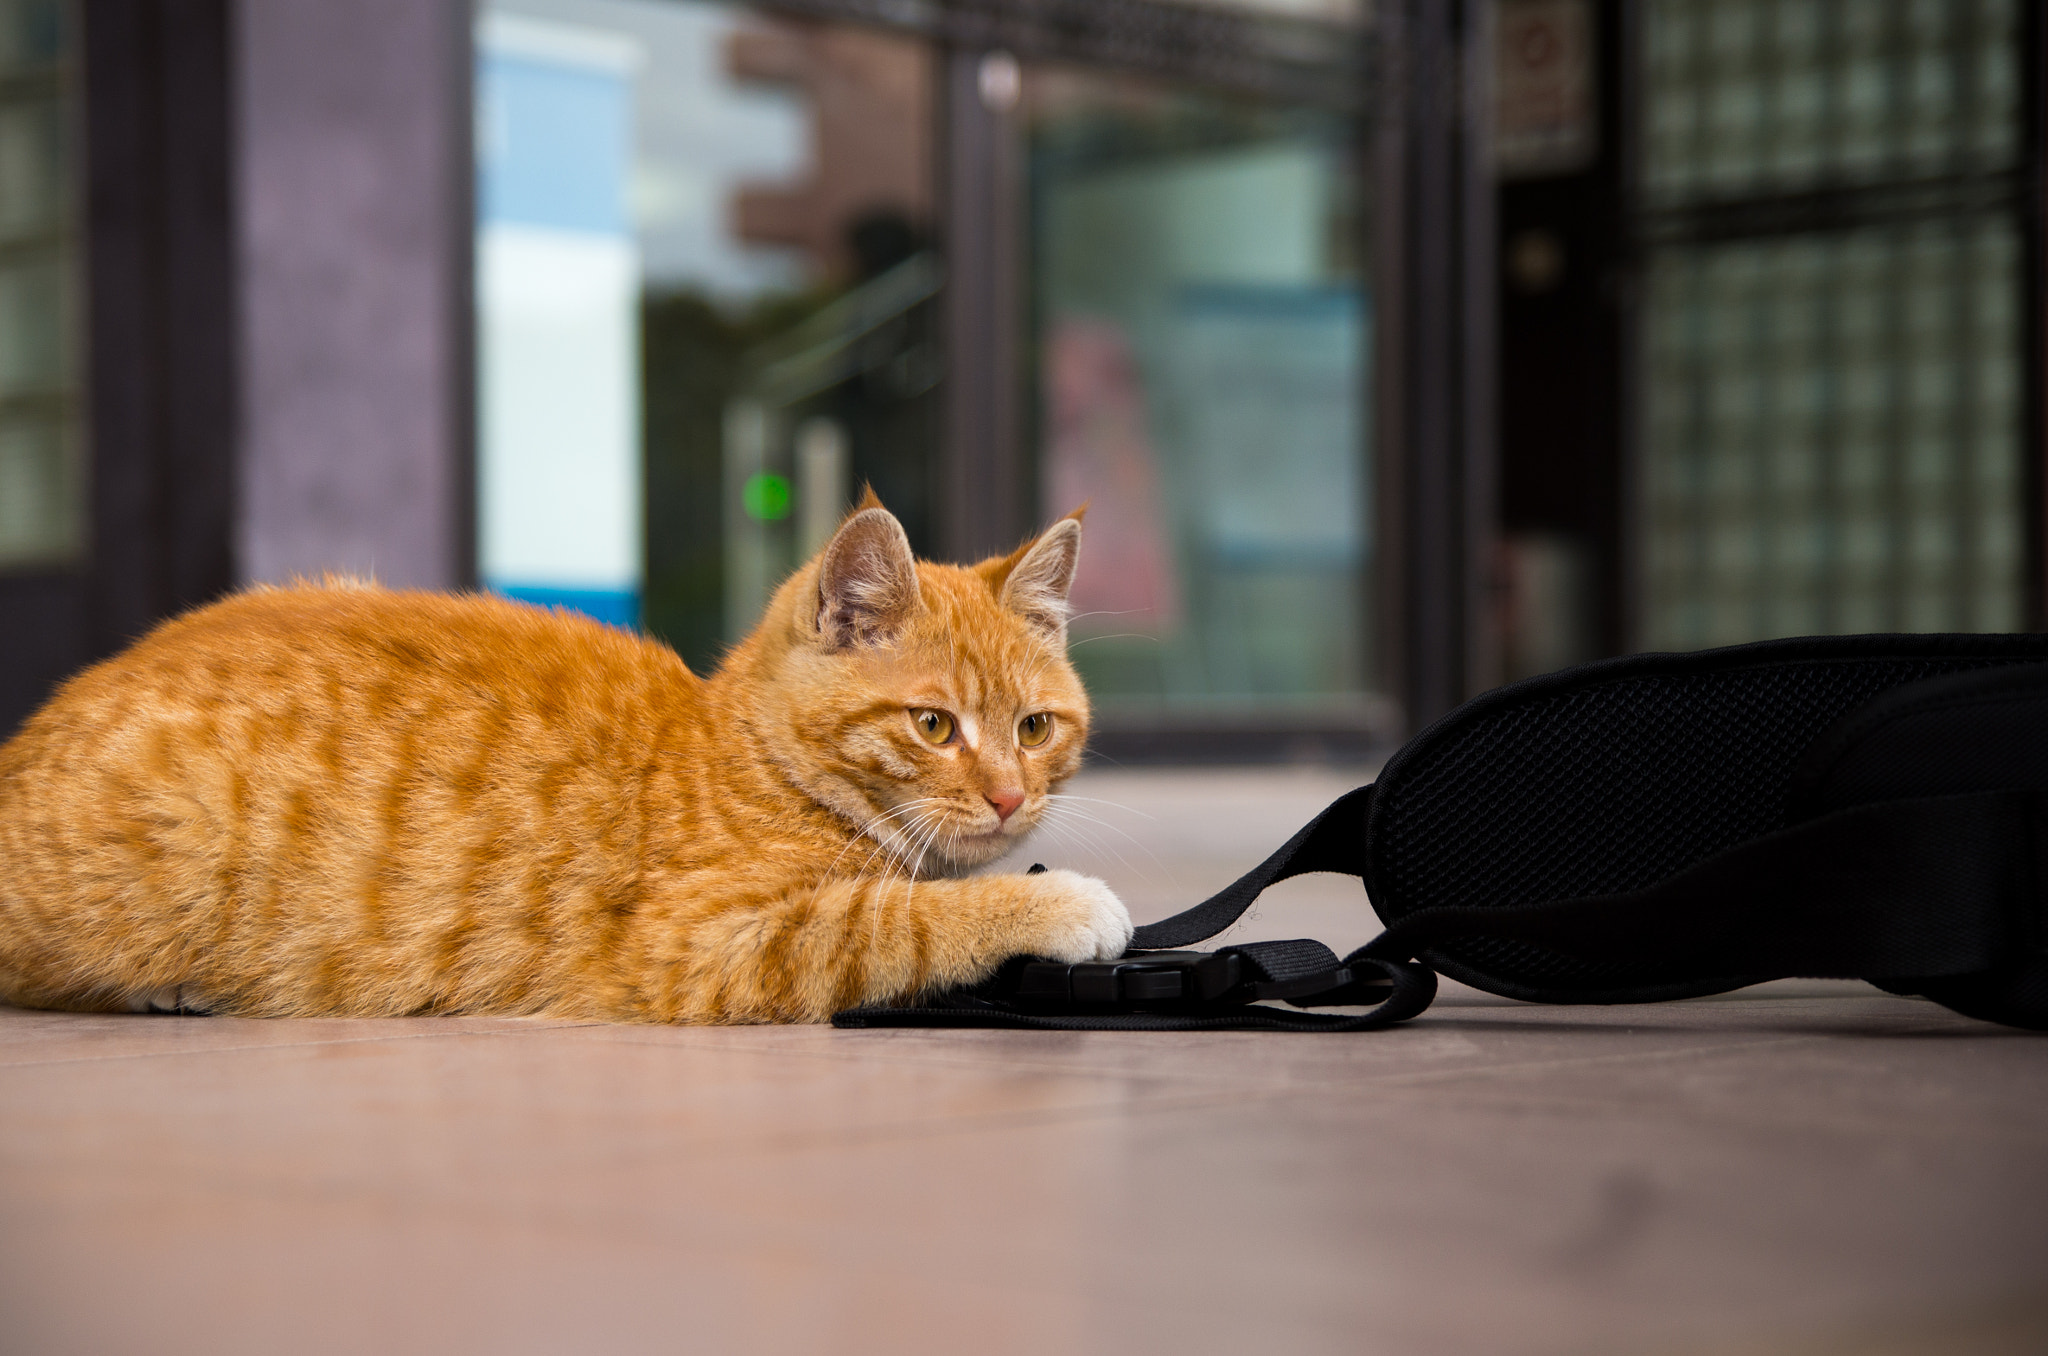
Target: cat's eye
{"x":1034,"y":729}
{"x":935,"y":726}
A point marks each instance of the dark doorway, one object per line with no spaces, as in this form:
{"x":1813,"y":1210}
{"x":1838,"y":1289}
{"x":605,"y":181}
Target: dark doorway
{"x":139,"y":229}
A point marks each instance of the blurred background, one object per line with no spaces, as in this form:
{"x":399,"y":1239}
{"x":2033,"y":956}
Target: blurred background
{"x":1400,"y":347}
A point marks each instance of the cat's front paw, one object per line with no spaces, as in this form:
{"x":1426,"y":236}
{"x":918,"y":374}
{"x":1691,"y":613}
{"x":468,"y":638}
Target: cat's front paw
{"x":1085,"y":920}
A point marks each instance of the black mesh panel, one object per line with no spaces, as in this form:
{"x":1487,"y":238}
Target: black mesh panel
{"x":1616,"y":780}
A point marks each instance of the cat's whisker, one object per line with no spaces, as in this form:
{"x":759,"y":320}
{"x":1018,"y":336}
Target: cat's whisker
{"x":1070,"y":821}
{"x":1100,"y":840}
{"x":891,"y":853}
{"x":1058,"y":834}
{"x":931,"y":836}
{"x":1074,"y":837}
{"x":1118,"y":635}
{"x":873,"y":852}
{"x":916,"y":830}
{"x":919,"y":843}
{"x":1066,"y":797}
{"x":931,"y":843}
{"x":881,"y":897}
{"x":867,"y":831}
{"x":1069,"y":834}
{"x":1071,"y":812}
{"x":882,"y":884}
{"x":1074,"y":812}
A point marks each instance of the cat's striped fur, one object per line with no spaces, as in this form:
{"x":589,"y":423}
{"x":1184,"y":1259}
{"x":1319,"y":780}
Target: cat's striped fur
{"x":346,"y":800}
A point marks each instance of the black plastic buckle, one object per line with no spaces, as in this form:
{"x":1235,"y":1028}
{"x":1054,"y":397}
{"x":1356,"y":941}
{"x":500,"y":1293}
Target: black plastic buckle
{"x":1139,"y":980}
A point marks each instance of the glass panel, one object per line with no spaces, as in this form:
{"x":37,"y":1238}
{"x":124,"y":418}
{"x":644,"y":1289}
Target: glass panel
{"x":1833,"y":435}
{"x":747,"y":201}
{"x":42,"y":517}
{"x":1201,"y":349}
{"x":1754,"y":96}
{"x":1831,"y":419}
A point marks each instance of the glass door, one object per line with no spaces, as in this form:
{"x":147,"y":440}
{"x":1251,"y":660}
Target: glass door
{"x":1201,"y":338}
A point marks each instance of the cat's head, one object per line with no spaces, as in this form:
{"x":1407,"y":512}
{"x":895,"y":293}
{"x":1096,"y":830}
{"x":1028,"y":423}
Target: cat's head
{"x":932,"y":705}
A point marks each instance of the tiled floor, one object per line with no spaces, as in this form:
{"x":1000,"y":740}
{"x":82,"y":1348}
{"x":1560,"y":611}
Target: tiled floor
{"x":1807,"y":1168}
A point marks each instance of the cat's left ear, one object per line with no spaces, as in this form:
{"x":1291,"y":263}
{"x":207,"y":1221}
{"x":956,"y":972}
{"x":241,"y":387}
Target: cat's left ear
{"x":867,"y":580}
{"x":1037,"y":585}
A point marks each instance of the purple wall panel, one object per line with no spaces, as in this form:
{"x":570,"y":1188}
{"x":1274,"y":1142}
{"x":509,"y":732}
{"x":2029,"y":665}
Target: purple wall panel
{"x":354,"y":238}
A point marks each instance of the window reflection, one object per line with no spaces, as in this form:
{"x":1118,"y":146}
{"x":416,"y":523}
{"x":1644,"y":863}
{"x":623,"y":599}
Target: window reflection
{"x":773,"y":201}
{"x":1201,"y":338}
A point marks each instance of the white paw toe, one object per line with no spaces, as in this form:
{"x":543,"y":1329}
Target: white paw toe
{"x":1094,"y":924}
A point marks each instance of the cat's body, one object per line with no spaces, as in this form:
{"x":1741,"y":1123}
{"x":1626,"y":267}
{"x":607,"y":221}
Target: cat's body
{"x":347,"y":801}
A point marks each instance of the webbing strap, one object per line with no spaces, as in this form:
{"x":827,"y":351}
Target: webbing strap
{"x":1333,"y":841}
{"x":1413,"y":989}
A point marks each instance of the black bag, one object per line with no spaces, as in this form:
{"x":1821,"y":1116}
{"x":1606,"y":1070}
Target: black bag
{"x":1659,"y":826}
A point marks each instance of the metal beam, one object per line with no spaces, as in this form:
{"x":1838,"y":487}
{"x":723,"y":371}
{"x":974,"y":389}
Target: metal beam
{"x":1434,"y":265}
{"x":1292,"y":58}
{"x":985,"y":502}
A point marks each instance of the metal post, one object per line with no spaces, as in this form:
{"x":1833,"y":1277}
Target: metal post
{"x":982,"y":495}
{"x":2033,"y":217}
{"x":1435,"y":279}
{"x":1477,"y":346}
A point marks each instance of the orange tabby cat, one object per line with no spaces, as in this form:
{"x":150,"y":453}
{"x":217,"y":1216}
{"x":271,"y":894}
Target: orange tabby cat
{"x":348,"y":801}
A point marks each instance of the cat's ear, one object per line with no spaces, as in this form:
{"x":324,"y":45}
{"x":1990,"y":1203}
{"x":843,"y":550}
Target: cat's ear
{"x":1037,"y":584}
{"x":867,"y":581}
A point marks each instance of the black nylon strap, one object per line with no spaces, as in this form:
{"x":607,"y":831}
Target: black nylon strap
{"x":1290,"y":970}
{"x":1414,"y":987}
{"x":1333,"y":841}
{"x":1926,"y":887}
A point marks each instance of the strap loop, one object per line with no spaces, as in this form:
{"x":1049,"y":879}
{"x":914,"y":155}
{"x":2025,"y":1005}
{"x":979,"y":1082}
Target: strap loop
{"x":1333,"y":841}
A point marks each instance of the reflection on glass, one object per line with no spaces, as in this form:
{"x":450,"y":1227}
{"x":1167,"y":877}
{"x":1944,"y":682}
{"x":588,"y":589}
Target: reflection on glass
{"x":42,"y":519}
{"x":1202,"y":337}
{"x":557,"y":299}
{"x":772,"y":204}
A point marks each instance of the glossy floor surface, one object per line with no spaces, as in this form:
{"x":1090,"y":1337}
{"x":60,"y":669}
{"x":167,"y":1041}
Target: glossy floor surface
{"x":1803,"y":1168}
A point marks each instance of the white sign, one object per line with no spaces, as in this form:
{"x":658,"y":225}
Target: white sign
{"x":1544,"y":117}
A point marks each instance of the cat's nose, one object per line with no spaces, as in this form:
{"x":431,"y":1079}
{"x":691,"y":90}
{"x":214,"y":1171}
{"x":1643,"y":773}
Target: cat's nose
{"x":1005,"y":801}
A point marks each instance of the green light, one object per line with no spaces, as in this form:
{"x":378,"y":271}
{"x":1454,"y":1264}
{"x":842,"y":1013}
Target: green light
{"x":766,"y":497}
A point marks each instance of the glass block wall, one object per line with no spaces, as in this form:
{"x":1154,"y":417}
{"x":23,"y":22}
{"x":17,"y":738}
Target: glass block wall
{"x":1831,"y":336}
{"x":41,"y":478}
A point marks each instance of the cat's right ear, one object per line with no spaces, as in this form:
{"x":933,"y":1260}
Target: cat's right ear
{"x":867,"y":581}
